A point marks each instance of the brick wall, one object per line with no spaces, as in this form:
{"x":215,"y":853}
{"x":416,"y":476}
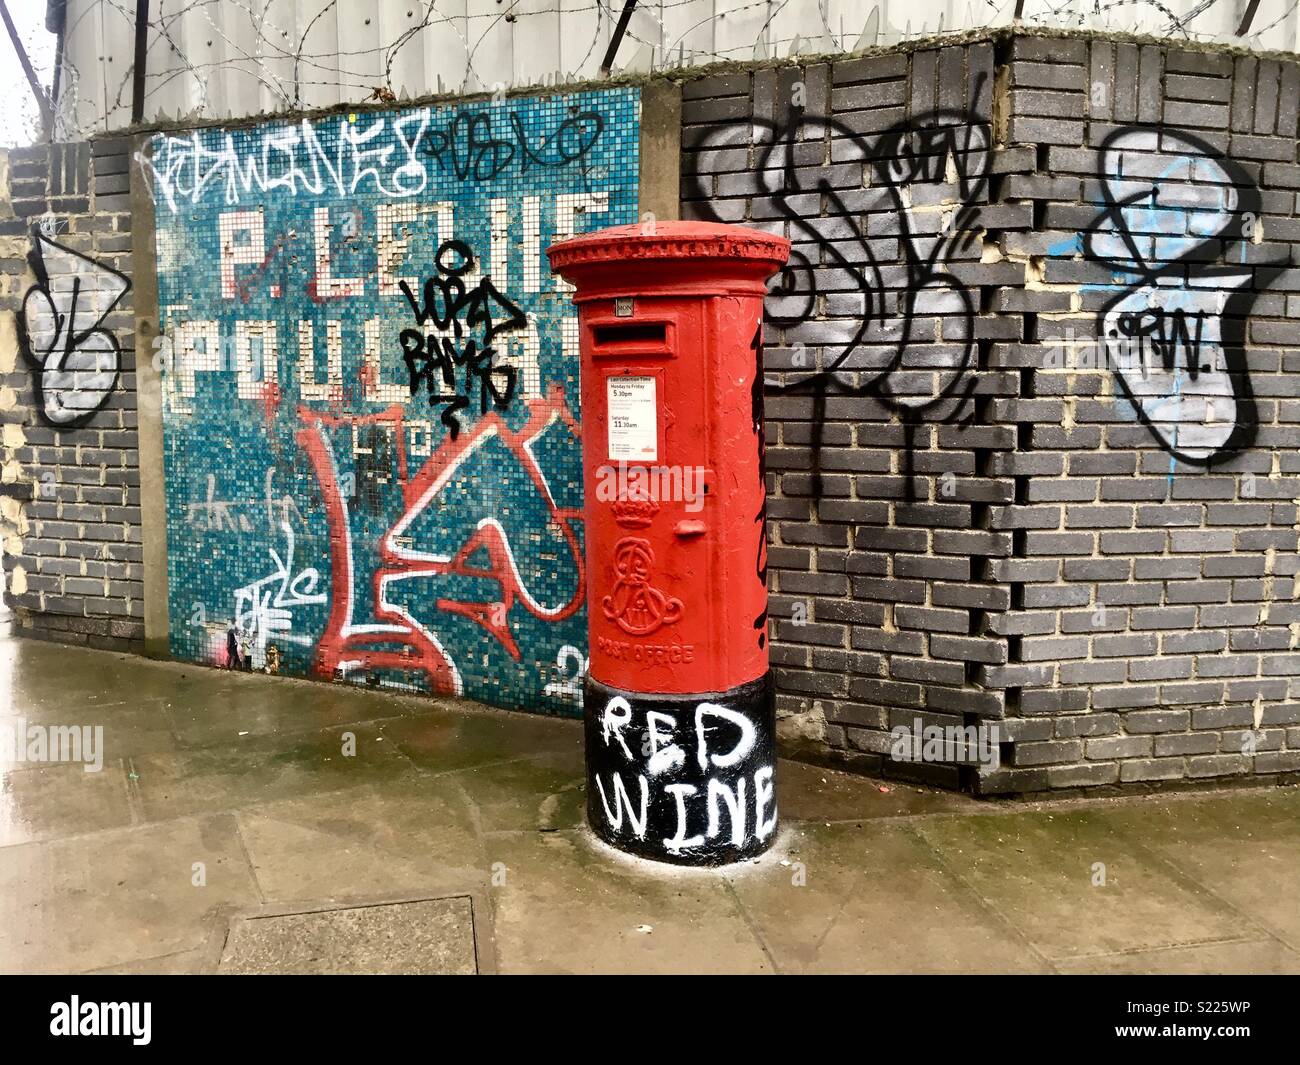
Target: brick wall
{"x":1032,"y":410}
{"x":1031,"y":447}
{"x":69,"y":483}
{"x":1157,"y":626}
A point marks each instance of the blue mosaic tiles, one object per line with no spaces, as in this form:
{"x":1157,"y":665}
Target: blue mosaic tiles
{"x":371,"y":411}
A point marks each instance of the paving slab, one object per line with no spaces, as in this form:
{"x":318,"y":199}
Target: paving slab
{"x":114,"y":897}
{"x":1073,"y":886}
{"x":1243,"y":847}
{"x":246,"y":710}
{"x":1252,"y":956}
{"x":196,"y":962}
{"x":813,"y":793}
{"x":416,"y":836}
{"x":543,"y":793}
{"x":253,"y":769}
{"x":429,"y":938}
{"x":49,"y":801}
{"x":830,"y":900}
{"x":564,"y":904}
{"x":447,"y":800}
{"x":444,"y":740}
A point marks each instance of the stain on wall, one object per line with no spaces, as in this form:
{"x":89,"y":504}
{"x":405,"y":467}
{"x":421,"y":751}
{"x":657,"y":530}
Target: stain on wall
{"x":371,"y":409}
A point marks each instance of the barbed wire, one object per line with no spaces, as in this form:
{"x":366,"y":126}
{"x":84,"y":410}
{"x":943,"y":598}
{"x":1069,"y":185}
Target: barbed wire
{"x":289,"y":70}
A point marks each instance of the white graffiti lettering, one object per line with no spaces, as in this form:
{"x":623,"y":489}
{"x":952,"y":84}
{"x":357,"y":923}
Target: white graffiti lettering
{"x":264,"y":609}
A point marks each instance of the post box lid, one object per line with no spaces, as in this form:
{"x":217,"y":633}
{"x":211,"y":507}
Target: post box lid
{"x":670,"y":240}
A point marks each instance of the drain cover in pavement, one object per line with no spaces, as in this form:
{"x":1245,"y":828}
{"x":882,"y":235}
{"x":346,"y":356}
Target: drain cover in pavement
{"x":434,"y":936}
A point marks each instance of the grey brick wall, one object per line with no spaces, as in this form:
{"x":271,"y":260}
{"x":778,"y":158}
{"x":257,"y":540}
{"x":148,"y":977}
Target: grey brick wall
{"x":1032,"y":425}
{"x":70,"y":493}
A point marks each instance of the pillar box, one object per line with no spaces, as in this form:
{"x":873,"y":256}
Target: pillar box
{"x":678,"y":698}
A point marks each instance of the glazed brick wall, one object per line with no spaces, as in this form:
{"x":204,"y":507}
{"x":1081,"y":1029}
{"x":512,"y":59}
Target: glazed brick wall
{"x":1157,"y":623}
{"x":1034,"y":555}
{"x":69,"y":498}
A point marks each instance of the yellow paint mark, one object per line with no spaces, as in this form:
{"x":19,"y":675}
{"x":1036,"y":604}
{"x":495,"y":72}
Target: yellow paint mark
{"x":8,"y":343}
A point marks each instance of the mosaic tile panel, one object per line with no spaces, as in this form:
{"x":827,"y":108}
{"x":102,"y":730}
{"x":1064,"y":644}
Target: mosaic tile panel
{"x":371,"y":422}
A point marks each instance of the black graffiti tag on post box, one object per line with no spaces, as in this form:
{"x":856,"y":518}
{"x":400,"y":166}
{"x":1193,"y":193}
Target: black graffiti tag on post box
{"x":682,"y":778}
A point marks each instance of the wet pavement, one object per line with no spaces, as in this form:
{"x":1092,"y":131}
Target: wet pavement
{"x":231,"y":829}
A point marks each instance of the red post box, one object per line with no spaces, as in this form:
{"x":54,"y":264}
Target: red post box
{"x":678,"y":698}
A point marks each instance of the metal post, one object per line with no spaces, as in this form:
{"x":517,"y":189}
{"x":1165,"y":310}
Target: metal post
{"x":1247,"y":18}
{"x":141,"y":52}
{"x":617,"y":39}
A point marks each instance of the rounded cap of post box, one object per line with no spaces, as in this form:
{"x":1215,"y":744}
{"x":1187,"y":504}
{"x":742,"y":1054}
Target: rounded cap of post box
{"x":662,"y":252}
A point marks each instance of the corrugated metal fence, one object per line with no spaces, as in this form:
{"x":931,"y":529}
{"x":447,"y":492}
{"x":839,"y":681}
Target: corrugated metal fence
{"x":231,"y":58}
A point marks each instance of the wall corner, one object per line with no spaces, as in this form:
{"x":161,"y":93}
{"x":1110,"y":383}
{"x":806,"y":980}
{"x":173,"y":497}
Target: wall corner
{"x":661,"y":150}
{"x":153,"y":499}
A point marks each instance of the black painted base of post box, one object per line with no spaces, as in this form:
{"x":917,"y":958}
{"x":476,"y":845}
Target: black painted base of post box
{"x":686,"y":779}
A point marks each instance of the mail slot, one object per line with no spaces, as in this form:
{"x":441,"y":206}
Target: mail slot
{"x":678,"y":696}
{"x":627,"y":338}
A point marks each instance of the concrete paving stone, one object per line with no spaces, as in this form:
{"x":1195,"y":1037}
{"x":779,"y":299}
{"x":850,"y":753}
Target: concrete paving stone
{"x":444,"y":740}
{"x":433,"y":937}
{"x":810,"y":793}
{"x":38,"y":674}
{"x":824,"y":901}
{"x":1266,"y":956}
{"x":566,"y":904}
{"x":50,"y":801}
{"x":1242,"y":846}
{"x":132,"y":730}
{"x":127,"y":728}
{"x":415,"y":836}
{"x":301,"y":706}
{"x":1038,"y":870}
{"x":255,"y":769}
{"x":445,"y":798}
{"x":121,"y":896}
{"x":545,"y":793}
{"x":182,"y":963}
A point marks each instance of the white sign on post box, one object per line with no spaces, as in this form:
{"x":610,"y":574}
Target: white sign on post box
{"x":633,"y":419}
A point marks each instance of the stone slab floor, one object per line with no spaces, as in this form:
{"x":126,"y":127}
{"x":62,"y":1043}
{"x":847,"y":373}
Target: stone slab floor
{"x":228,"y":832}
